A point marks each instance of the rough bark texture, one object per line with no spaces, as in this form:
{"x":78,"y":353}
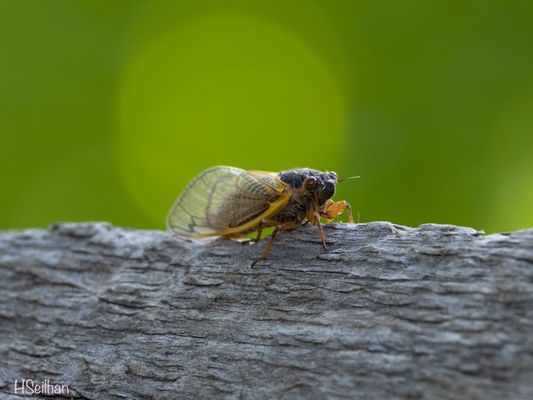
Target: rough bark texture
{"x":436,"y":312}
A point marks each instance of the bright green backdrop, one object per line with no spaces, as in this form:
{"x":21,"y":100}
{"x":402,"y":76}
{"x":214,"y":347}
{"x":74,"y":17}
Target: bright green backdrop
{"x":108,"y":108}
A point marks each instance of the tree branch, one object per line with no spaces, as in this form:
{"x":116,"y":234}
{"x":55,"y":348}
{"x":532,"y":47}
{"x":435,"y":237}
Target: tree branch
{"x":386,"y":312}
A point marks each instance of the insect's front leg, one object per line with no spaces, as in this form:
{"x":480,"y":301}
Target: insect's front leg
{"x":332,"y":209}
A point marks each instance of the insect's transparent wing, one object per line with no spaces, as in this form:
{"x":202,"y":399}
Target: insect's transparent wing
{"x":220,"y":198}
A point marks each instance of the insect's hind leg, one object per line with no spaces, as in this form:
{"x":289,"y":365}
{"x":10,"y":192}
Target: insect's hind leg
{"x":267,"y":248}
{"x":262,"y":224}
{"x":257,"y":237}
{"x":259,"y":231}
{"x":283,"y":227}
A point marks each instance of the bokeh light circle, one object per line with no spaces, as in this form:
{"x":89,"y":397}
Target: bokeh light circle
{"x":224,"y":89}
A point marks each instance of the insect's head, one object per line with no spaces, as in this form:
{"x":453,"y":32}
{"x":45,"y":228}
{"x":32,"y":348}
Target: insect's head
{"x":312,"y":183}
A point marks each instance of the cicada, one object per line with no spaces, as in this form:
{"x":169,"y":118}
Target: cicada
{"x":232,"y":202}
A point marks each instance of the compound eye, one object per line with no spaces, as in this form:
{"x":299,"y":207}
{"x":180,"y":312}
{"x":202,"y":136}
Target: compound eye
{"x":310,"y":183}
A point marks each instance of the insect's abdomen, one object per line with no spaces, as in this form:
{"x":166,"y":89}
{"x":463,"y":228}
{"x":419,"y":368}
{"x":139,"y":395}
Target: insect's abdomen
{"x":291,"y":212}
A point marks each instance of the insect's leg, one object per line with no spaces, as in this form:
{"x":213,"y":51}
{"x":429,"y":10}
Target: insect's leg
{"x":259,"y":231}
{"x":319,"y":225}
{"x":285,"y":226}
{"x":335,"y":208}
{"x":268,"y":247}
{"x":348,"y":207}
{"x":262,"y":224}
{"x":324,"y":211}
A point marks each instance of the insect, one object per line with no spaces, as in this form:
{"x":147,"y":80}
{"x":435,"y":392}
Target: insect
{"x":231,"y":202}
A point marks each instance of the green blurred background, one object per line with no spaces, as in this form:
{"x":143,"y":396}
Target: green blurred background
{"x":108,"y":108}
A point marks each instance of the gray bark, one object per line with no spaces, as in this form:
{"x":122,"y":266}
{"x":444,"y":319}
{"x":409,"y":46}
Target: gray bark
{"x":435,"y":312}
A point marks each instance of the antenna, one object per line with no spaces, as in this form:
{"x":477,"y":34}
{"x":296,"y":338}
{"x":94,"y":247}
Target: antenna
{"x":348,"y":178}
